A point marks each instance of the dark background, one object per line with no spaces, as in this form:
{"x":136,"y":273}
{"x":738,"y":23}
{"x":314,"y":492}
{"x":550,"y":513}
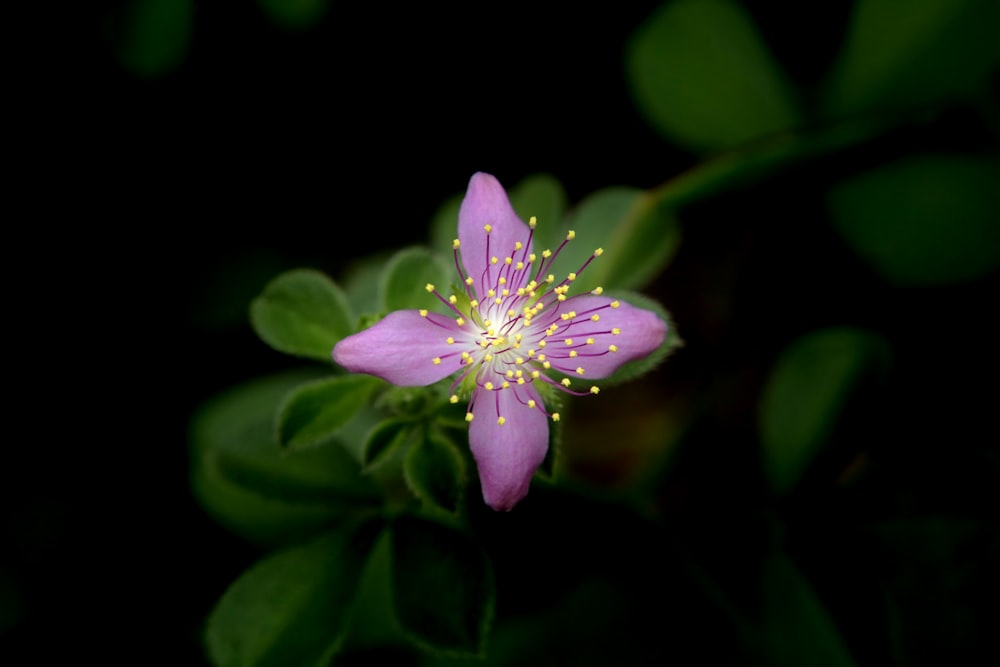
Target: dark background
{"x":162,"y":205}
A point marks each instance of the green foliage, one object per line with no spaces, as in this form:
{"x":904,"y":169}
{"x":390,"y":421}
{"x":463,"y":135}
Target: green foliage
{"x":442,"y":586}
{"x":293,"y":606}
{"x":925,"y":220}
{"x":405,"y":277}
{"x":156,"y":36}
{"x":242,"y":478}
{"x":540,"y":196}
{"x":700,"y":74}
{"x":434,"y":470}
{"x":383,"y":441}
{"x":313,"y":413}
{"x":303,"y":313}
{"x":807,"y":394}
{"x":900,"y":55}
{"x":295,"y":14}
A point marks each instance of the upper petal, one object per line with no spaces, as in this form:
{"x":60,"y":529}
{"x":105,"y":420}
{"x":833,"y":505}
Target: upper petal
{"x":621,"y":333}
{"x":401,"y":349}
{"x":486,"y":203}
{"x":507,"y":455}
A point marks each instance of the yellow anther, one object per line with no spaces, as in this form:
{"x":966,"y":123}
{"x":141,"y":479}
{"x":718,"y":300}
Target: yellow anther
{"x":542,"y":343}
{"x":455,"y":244}
{"x":519,"y":361}
{"x":532,"y":257}
{"x":510,"y":374}
{"x":519,"y":266}
{"x":565,"y":382}
{"x":488,"y":324}
{"x":468,"y":281}
{"x":541,"y":357}
{"x":546,"y":253}
{"x":568,"y":341}
{"x":474,"y":303}
{"x":531,"y":353}
{"x":595,"y":390}
{"x":615,"y":304}
{"x":518,"y":337}
{"x":598,"y":291}
{"x":488,"y":386}
{"x":452,"y":299}
{"x":571,"y":235}
{"x":595,"y":317}
{"x":505,"y":292}
{"x":550,"y":278}
{"x":429,"y":287}
{"x":501,"y":420}
{"x":491,"y":292}
{"x":502,"y":280}
{"x":520,"y":292}
{"x":598,"y":252}
{"x":488,"y":228}
{"x":518,"y":245}
{"x":423,"y":313}
{"x":572,"y":353}
{"x":449,"y":340}
{"x":460,"y":321}
{"x":546,"y":365}
{"x":508,"y":260}
{"x":468,"y":416}
{"x":505,"y":385}
{"x":493,"y":260}
{"x":498,"y":301}
{"x":555,"y":416}
{"x":520,"y":380}
{"x":615,"y":331}
{"x":532,"y":221}
{"x":488,"y":357}
{"x":453,"y":398}
{"x":535,"y":375}
{"x":579,"y":370}
{"x":531,"y":403}
{"x":466,"y":355}
{"x":590,"y":341}
{"x":519,"y":373}
{"x":571,"y":276}
{"x":437,"y":361}
{"x":561,"y":297}
{"x":612,"y":348}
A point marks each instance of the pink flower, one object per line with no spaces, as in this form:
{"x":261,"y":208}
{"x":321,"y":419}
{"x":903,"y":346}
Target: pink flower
{"x":511,"y":325}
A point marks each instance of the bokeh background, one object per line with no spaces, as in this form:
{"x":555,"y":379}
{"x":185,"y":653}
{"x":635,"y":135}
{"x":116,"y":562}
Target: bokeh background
{"x":190,"y":151}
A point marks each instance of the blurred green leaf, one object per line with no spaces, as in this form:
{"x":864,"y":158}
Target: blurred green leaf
{"x":405,"y":277}
{"x":243,"y":480}
{"x":383,"y":441}
{"x":927,"y":220}
{"x":292,"y":608}
{"x":541,"y":196}
{"x":807,"y":393}
{"x":701,"y":75}
{"x":442,"y":585}
{"x":638,"y":235}
{"x":797,"y":629}
{"x":295,"y":14}
{"x":157,"y":35}
{"x":361,"y":280}
{"x":904,"y":54}
{"x":434,"y":470}
{"x":444,"y":224}
{"x":314,"y":412}
{"x":303,"y":313}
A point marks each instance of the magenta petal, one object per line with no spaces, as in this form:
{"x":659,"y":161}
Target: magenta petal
{"x":640,"y":333}
{"x":507,"y":455}
{"x":401,"y":349}
{"x":486,"y":203}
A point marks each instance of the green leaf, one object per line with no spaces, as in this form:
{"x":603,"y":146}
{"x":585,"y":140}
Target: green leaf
{"x":315,"y":412}
{"x":383,"y":441}
{"x":434,"y":470}
{"x":905,"y":54}
{"x":701,"y":75}
{"x":293,"y":607}
{"x":442,"y":584}
{"x":540,"y":196}
{"x":241,"y":478}
{"x":797,"y":630}
{"x":361,"y":280}
{"x":295,"y":15}
{"x":157,"y":35}
{"x":927,"y":220}
{"x":807,"y":392}
{"x":638,"y":235}
{"x":406,"y":275}
{"x":303,"y":313}
{"x":444,"y":224}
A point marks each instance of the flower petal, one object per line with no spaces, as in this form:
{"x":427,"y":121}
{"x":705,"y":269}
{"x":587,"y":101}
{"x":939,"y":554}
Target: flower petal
{"x":401,"y":349}
{"x":486,"y":203}
{"x":639,"y":333}
{"x":507,"y":455}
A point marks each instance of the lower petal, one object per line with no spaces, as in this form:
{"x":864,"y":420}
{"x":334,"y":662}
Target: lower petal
{"x":508,"y":454}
